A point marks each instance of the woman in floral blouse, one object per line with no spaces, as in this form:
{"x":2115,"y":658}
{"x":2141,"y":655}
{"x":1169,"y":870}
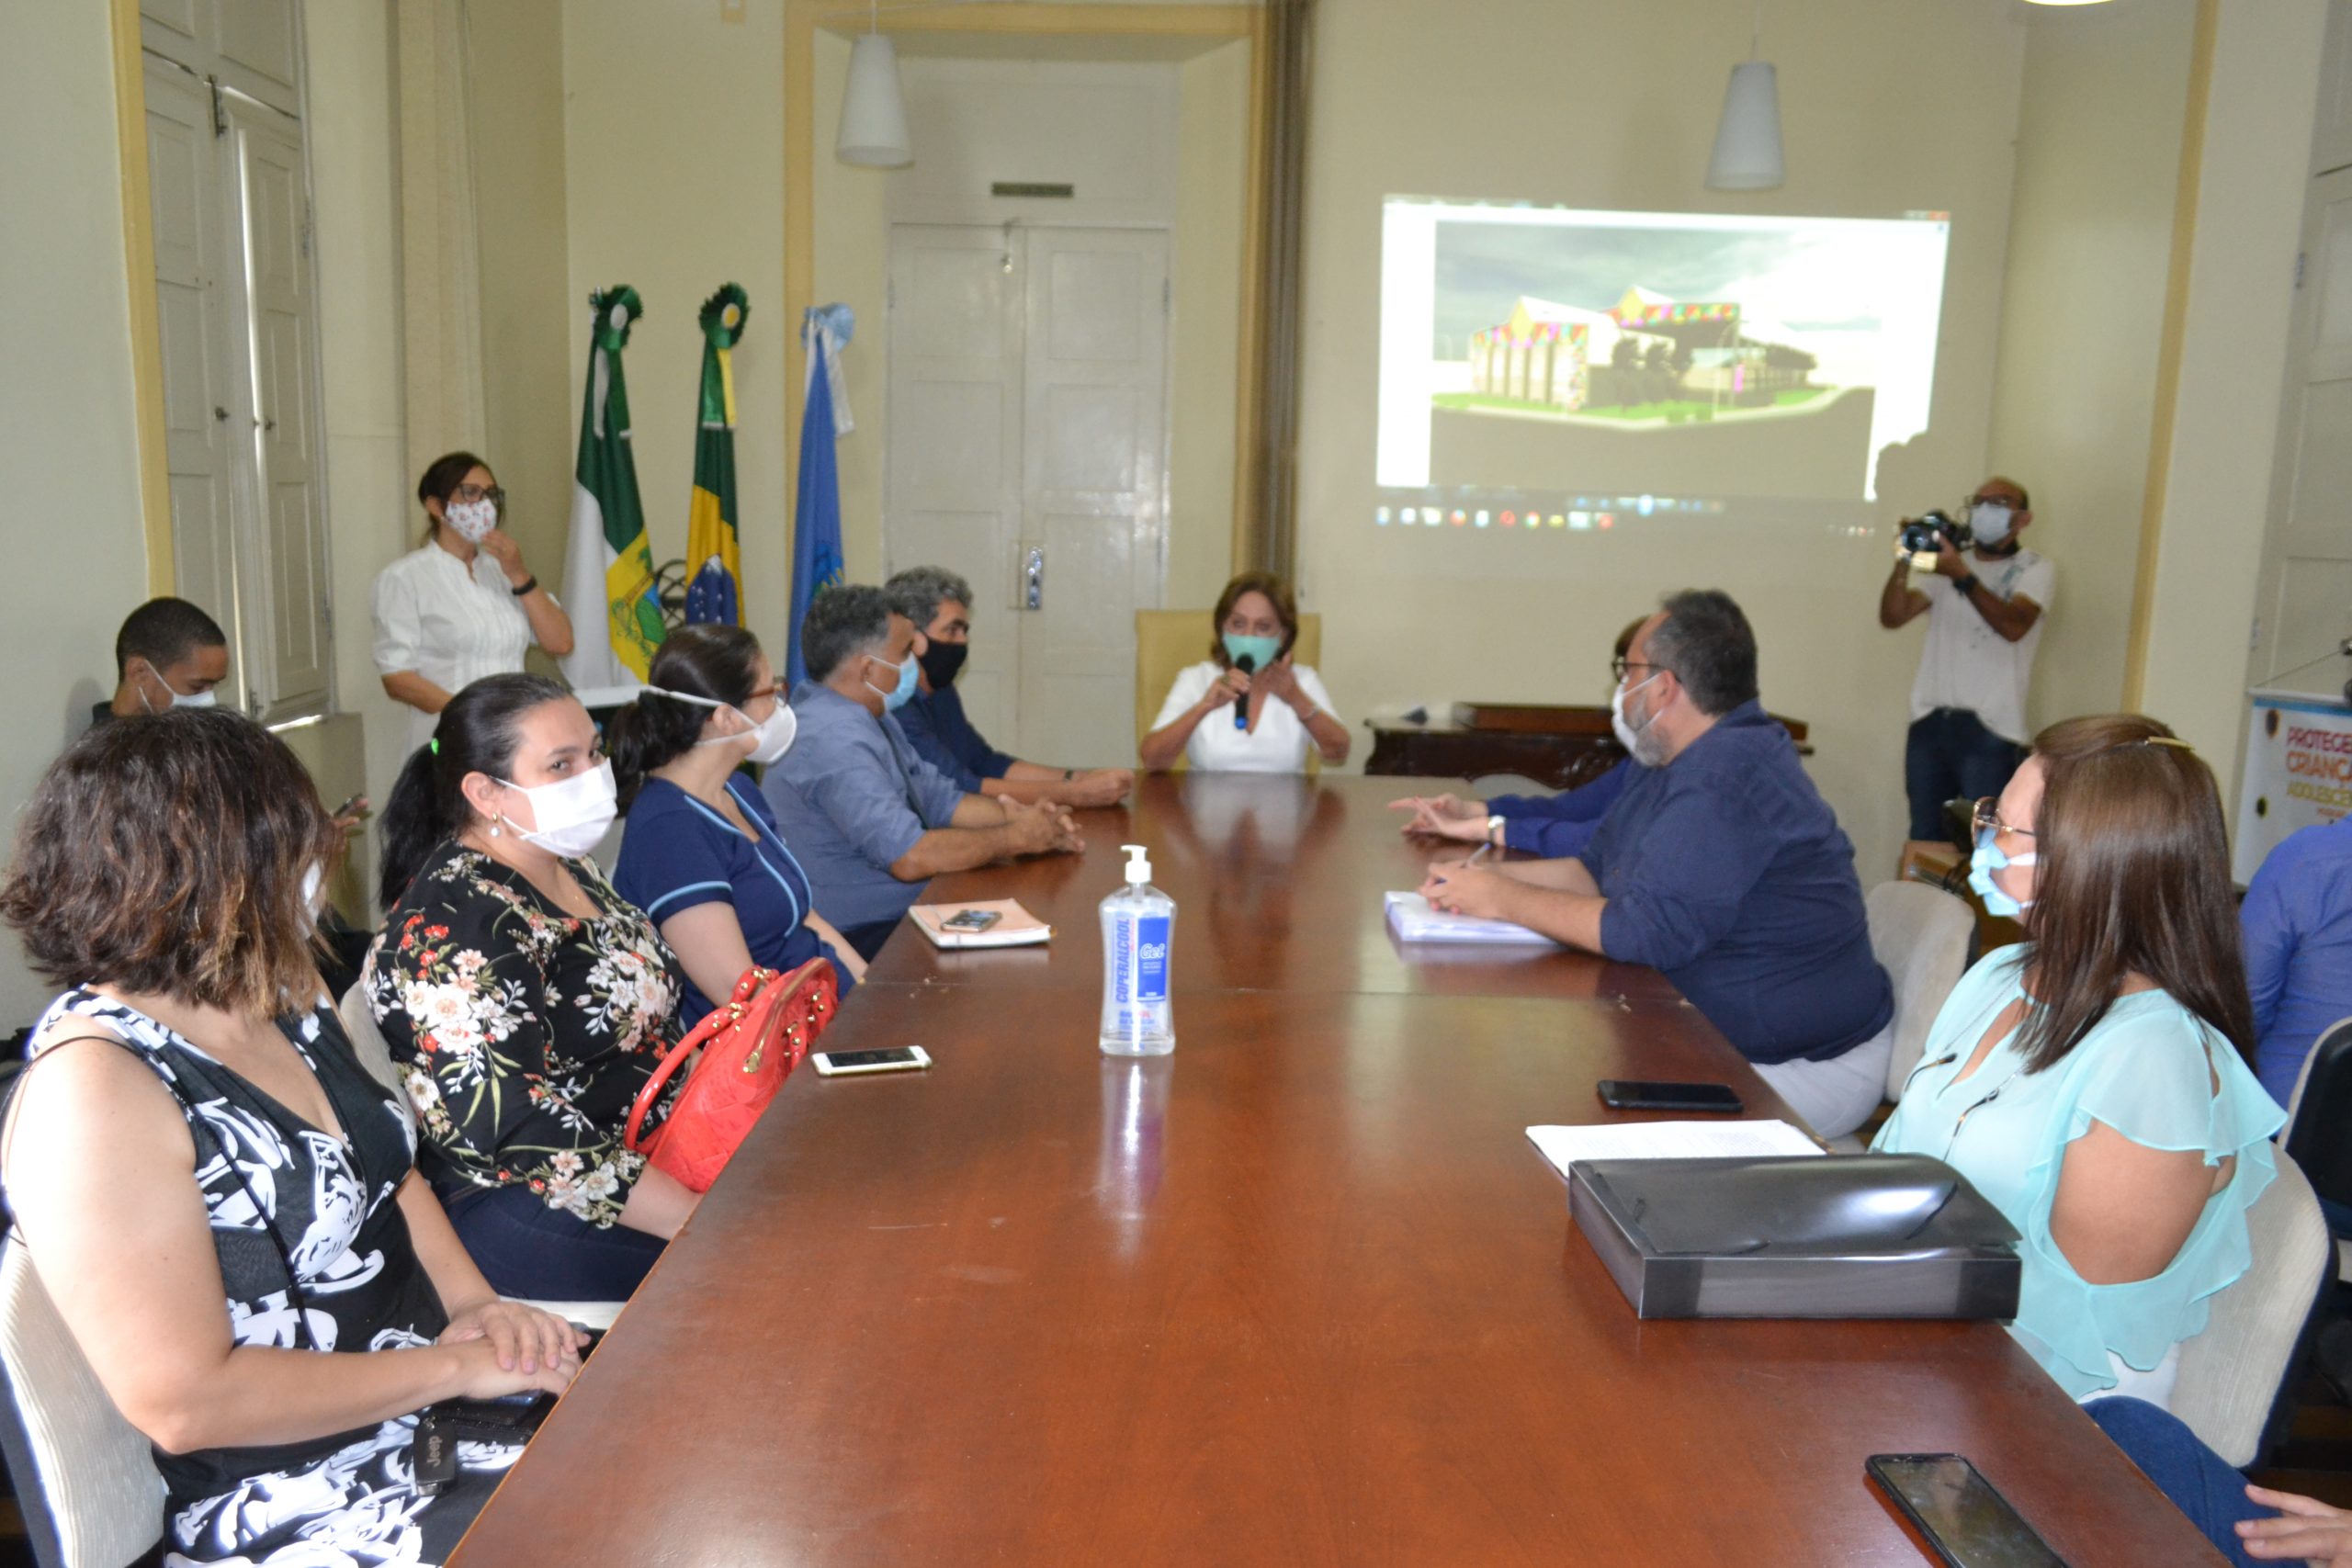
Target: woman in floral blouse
{"x":526,"y":1000}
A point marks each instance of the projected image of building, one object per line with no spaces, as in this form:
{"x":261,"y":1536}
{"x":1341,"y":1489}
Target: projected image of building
{"x":1648,"y":356}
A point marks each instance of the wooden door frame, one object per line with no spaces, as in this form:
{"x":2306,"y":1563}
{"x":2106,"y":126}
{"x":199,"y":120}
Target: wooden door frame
{"x":802,"y":18}
{"x":146,"y":313}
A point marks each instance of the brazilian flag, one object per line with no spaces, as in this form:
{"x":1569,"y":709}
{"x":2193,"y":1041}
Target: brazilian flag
{"x":715,"y":576}
{"x":609,"y":563}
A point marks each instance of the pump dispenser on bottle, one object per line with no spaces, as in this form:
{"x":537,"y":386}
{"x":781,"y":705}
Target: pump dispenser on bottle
{"x":1138,"y":921}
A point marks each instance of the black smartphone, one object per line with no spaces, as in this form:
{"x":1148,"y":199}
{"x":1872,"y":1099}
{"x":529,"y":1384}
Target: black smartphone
{"x":1967,"y":1522}
{"x":1634,"y":1094}
{"x":971,"y":921}
{"x":348,"y":803}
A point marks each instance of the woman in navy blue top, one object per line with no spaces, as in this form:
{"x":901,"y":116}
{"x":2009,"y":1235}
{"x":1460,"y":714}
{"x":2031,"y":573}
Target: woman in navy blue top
{"x":702,"y":855}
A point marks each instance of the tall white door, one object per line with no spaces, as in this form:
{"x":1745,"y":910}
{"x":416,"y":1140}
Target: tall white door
{"x":1027,"y":451}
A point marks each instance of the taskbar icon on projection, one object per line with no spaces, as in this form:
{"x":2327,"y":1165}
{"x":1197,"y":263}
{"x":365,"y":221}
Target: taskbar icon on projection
{"x":1581,"y":513}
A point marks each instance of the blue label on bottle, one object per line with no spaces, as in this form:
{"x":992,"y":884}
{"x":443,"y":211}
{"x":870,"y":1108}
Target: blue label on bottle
{"x":1151,"y":959}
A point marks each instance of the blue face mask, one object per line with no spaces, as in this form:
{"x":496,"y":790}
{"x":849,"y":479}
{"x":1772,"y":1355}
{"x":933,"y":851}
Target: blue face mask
{"x":1987,"y":860}
{"x":1262,"y":650}
{"x":896,"y":698}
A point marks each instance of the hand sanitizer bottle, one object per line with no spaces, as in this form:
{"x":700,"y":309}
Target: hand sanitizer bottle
{"x":1137,"y":923}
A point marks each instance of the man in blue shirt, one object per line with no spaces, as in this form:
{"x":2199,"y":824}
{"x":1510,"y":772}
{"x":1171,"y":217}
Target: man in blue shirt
{"x":870,"y":820}
{"x":1720,"y":865}
{"x":2298,"y":922}
{"x":940,"y":604}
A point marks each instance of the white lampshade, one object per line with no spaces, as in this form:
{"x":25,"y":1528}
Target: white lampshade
{"x":874,"y":116}
{"x":1748,"y":138}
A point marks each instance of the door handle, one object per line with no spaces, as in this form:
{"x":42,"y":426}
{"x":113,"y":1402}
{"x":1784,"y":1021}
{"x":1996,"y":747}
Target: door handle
{"x":1032,"y":578}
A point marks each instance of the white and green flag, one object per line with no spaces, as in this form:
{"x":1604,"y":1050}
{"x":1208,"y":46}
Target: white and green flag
{"x":609,"y":563}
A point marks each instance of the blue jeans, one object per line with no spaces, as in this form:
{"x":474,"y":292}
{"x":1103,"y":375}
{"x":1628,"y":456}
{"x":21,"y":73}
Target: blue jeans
{"x":525,"y":1248}
{"x":1951,"y":755}
{"x":2199,"y":1482}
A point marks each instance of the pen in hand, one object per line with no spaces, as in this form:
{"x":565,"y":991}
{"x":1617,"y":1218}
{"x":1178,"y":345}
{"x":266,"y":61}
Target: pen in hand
{"x":1478,"y":855}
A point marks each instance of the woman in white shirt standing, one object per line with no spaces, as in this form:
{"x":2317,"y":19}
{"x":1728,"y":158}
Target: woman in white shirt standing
{"x":462,"y":606}
{"x":1285,"y":708}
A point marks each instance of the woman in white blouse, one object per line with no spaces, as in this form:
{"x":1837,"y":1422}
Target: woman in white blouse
{"x":462,"y":606}
{"x":1285,"y":708}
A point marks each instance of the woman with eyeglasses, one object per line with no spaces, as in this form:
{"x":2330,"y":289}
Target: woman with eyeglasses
{"x":2092,"y":1081}
{"x":703,"y":856}
{"x":462,"y":604}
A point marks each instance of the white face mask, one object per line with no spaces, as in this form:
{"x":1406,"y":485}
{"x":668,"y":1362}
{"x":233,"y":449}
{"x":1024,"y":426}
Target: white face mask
{"x":570,"y":816}
{"x":1989,"y":521}
{"x":771,"y":738}
{"x":1622,"y":727}
{"x":314,"y":892}
{"x":203,"y":699}
{"x":472,"y":520}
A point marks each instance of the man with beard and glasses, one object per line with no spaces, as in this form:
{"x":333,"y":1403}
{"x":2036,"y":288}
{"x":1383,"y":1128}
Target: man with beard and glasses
{"x":1721,"y":866}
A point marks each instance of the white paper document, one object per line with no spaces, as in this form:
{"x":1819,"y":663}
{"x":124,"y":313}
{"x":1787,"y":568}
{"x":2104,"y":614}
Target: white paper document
{"x":1668,"y":1140}
{"x":1411,"y":916}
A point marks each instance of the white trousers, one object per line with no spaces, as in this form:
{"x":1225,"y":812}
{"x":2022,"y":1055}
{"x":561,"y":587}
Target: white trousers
{"x":1836,"y":1096}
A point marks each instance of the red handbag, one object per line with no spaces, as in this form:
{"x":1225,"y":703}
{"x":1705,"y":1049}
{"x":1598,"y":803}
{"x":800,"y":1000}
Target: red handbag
{"x":749,"y":1047}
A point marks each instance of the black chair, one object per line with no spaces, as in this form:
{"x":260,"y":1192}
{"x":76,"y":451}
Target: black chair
{"x":2319,"y":1119}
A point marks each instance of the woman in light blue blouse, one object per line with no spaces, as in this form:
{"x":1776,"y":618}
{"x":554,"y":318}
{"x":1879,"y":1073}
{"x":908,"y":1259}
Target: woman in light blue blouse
{"x":2092,"y":1082}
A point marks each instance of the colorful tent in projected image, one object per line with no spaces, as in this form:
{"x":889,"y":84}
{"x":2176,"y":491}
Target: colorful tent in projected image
{"x":1547,"y":353}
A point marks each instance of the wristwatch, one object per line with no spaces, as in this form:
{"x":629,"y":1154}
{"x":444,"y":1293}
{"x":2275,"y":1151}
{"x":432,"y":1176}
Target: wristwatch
{"x":1495,"y":828}
{"x":528,"y":583}
{"x":1966,"y":585}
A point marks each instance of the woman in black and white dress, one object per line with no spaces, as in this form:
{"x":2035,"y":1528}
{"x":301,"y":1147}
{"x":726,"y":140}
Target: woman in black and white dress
{"x":221,"y":1202}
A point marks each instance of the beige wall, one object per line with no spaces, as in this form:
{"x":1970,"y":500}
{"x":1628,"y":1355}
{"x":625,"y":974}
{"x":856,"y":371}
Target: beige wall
{"x":530,"y":406}
{"x":2090,"y":246}
{"x":68,"y":441}
{"x":1885,"y":108}
{"x":673,"y":182}
{"x":2233,"y":357}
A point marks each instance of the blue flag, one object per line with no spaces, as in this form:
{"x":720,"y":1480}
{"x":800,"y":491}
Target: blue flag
{"x":817,"y":513}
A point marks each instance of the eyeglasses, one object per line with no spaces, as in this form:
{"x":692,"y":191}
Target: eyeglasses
{"x":1618,"y":665}
{"x":490,"y":493}
{"x":1987,"y":815}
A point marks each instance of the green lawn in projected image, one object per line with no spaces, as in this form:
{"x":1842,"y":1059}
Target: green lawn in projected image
{"x":1675,"y":411}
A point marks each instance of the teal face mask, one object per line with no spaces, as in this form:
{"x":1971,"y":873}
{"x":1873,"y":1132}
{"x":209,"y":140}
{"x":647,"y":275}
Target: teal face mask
{"x":1987,"y":860}
{"x":896,"y":698}
{"x":1261,"y":650}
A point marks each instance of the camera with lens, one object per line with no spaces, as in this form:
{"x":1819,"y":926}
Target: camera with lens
{"x":1919,"y":534}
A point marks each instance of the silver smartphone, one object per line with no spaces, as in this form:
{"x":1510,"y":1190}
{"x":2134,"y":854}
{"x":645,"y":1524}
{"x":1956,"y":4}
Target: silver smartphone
{"x":847,"y":1063}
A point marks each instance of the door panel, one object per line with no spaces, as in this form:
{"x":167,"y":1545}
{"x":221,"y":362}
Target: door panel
{"x":954,"y":459}
{"x":1094,"y":461}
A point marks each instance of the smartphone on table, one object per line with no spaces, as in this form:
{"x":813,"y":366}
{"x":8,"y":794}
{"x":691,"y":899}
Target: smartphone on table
{"x":971,"y":921}
{"x":1643,"y":1094}
{"x":1965,"y":1521}
{"x":848,"y":1064}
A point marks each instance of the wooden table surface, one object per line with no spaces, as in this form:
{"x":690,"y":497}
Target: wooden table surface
{"x":1300,"y":1293}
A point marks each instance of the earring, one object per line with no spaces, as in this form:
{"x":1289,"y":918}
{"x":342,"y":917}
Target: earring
{"x":493,"y":829}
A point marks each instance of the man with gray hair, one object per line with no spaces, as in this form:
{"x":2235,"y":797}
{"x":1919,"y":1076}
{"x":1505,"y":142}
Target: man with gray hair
{"x":869,"y":820}
{"x":940,"y":604}
{"x":1721,"y":866}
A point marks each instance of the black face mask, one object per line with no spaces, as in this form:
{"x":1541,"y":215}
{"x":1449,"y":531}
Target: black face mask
{"x":941,"y":661}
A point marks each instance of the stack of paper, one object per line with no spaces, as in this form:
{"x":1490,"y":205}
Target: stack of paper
{"x":1668,"y":1140}
{"x":1015,"y":926}
{"x":1411,"y":916}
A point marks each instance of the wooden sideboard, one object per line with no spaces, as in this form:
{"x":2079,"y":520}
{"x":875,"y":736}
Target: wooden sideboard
{"x":1559,"y":746}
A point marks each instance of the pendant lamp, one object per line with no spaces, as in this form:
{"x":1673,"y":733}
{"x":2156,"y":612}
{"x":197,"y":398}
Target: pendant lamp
{"x":874,"y":113}
{"x":1748,"y":138}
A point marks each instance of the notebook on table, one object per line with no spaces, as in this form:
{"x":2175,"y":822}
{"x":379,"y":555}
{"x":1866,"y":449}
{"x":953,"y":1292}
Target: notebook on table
{"x":1412,"y":919}
{"x":1014,"y":926}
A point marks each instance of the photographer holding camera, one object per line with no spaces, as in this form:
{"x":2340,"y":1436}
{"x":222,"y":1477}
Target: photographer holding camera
{"x":1968,"y":726}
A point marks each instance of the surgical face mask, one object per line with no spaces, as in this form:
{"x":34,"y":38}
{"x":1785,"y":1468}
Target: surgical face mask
{"x":1628,"y":736}
{"x":771,"y":738}
{"x":180,"y":699}
{"x":896,"y":698}
{"x":941,"y":661}
{"x":1989,"y":521}
{"x":314,"y":892}
{"x":1261,"y":650}
{"x":571,"y":816}
{"x":1987,"y":860}
{"x":472,"y":520}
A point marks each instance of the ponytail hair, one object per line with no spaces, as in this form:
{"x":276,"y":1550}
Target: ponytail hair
{"x":478,"y":733}
{"x":717,"y":662}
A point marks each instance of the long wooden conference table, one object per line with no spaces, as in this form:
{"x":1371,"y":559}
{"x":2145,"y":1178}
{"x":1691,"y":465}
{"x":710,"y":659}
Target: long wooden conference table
{"x":1300,"y":1293}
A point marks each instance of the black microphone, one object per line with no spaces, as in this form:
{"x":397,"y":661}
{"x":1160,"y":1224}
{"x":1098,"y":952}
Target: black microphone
{"x":1246,"y":663}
